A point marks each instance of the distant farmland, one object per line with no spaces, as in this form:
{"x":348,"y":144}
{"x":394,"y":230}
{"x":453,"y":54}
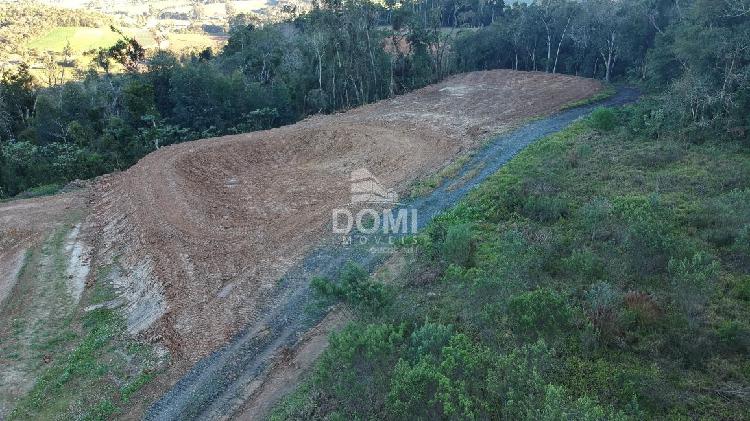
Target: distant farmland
{"x":84,"y":39}
{"x":179,"y":41}
{"x":81,"y":39}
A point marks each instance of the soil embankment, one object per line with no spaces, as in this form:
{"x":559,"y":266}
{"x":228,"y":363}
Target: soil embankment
{"x":205,"y":229}
{"x":199,"y":234}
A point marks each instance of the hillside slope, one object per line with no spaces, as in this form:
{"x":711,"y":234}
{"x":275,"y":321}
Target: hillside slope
{"x":188,"y":245}
{"x":203,"y":229}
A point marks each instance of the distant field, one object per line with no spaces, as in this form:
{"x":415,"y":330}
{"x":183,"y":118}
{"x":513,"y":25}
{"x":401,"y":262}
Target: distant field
{"x":84,"y":39}
{"x":199,"y":41}
{"x":81,"y":39}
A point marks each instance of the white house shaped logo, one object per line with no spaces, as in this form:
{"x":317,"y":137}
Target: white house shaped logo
{"x":366,"y":188}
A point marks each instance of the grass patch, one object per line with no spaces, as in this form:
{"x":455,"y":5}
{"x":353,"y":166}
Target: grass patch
{"x":136,"y":385}
{"x":81,"y":39}
{"x":69,"y":364}
{"x":95,"y":378}
{"x":52,"y":394}
{"x":424,"y":187}
{"x":608,"y":91}
{"x":45,"y":190}
{"x":179,"y":42}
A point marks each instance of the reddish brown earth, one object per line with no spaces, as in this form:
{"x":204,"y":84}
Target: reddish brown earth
{"x":289,"y":366}
{"x":212,"y":224}
{"x":202,"y":230}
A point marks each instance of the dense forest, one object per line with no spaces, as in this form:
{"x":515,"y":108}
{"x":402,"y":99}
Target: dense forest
{"x":344,"y":54}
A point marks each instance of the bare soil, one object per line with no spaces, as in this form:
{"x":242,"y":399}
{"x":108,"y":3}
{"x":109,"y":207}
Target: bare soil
{"x":288,"y":368}
{"x":209,"y":225}
{"x":202,"y":231}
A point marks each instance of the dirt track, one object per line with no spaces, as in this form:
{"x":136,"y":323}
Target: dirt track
{"x":24,"y":224}
{"x":33,"y":292}
{"x":204,"y":228}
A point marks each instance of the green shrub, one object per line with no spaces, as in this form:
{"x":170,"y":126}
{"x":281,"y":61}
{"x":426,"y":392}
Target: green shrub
{"x":596,"y":218}
{"x":414,"y":391}
{"x":45,"y":190}
{"x":694,"y":347}
{"x":692,"y":281}
{"x":614,"y":380}
{"x":511,"y":261}
{"x":517,"y":381}
{"x":741,"y":289}
{"x":603,"y":295}
{"x":25,"y":166}
{"x":576,"y":154}
{"x":583,"y":264}
{"x":430,"y":339}
{"x":355,"y":369}
{"x":648,"y":119}
{"x":544,"y":208}
{"x":603,"y":119}
{"x":603,"y":302}
{"x":450,"y":387}
{"x":725,"y":220}
{"x":647,"y":234}
{"x":557,"y":405}
{"x":734,"y":335}
{"x":458,"y":246}
{"x":542,"y":312}
{"x":742,"y":242}
{"x":354,"y":287}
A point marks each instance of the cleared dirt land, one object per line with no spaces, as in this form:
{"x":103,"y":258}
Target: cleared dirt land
{"x":199,"y":233}
{"x":203,"y":228}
